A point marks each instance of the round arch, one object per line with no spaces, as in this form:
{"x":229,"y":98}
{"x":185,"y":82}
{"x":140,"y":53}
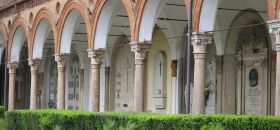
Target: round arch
{"x":146,"y":18}
{"x":18,"y":33}
{"x":101,"y":22}
{"x":44,"y":22}
{"x":236,"y":59}
{"x":69,"y":15}
{"x":3,"y":38}
{"x":240,"y":21}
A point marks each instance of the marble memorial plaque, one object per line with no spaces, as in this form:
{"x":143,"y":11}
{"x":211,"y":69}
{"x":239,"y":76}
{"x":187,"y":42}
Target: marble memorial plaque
{"x":253,"y":96}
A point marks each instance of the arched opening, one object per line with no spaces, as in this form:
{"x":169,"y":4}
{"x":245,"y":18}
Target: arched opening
{"x":74,"y":83}
{"x":43,"y":49}
{"x":160,"y":21}
{"x":2,"y":79}
{"x":117,"y":73}
{"x":23,"y":80}
{"x":74,"y":42}
{"x":182,"y":53}
{"x":247,"y":67}
{"x":3,"y":73}
{"x":19,"y":54}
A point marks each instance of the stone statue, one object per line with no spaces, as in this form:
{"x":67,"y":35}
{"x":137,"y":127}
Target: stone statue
{"x":210,"y":92}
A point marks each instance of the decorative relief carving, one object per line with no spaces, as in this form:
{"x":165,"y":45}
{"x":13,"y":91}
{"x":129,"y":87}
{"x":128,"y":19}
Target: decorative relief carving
{"x":34,"y":64}
{"x":96,"y":56}
{"x":12,"y":67}
{"x":61,"y":60}
{"x":140,"y":50}
{"x":200,"y":42}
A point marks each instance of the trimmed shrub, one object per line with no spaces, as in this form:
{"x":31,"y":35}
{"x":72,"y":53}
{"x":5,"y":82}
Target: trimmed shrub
{"x":78,"y":120}
{"x":2,"y":110}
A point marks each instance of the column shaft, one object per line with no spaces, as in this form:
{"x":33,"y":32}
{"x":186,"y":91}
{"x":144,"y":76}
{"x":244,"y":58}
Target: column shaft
{"x":139,"y":84}
{"x":61,"y":62}
{"x":34,"y":65}
{"x":198,"y":90}
{"x":95,"y":87}
{"x":12,"y":79}
{"x":61,"y":88}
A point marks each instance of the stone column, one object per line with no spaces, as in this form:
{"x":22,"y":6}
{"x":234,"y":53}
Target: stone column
{"x":140,"y":50}
{"x":61,"y":62}
{"x":95,"y":56}
{"x":34,"y":66}
{"x":12,"y":80}
{"x":276,"y":32}
{"x":199,"y":42}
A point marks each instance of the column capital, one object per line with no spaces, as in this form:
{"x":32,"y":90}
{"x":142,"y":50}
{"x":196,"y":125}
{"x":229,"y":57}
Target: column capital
{"x":12,"y":67}
{"x":96,"y":56}
{"x":200,"y":42}
{"x":34,"y":64}
{"x":140,"y":50}
{"x":61,"y":60}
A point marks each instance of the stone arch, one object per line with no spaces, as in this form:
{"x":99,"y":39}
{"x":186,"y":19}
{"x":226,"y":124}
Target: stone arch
{"x":101,"y":22}
{"x":271,"y":9}
{"x":130,"y":10}
{"x":44,"y":22}
{"x":17,"y":35}
{"x":70,"y":13}
{"x":141,"y":7}
{"x":237,"y":22}
{"x":3,"y":38}
{"x":207,"y":11}
{"x":148,"y":12}
{"x":4,"y":31}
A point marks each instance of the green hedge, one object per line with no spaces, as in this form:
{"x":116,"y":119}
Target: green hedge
{"x":78,"y":120}
{"x":2,"y":110}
